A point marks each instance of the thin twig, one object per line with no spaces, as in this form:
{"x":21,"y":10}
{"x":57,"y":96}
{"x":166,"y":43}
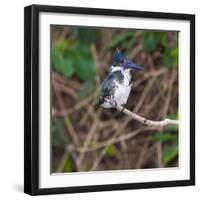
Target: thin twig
{"x":97,"y":63}
{"x":88,"y":138}
{"x":164,"y":114}
{"x":62,"y":162}
{"x":71,"y":130}
{"x":115,"y":139}
{"x":78,"y":106}
{"x":150,"y":74}
{"x":65,"y":89}
{"x":142,"y":155}
{"x":144,"y":94}
{"x":142,"y":119}
{"x":98,"y":160}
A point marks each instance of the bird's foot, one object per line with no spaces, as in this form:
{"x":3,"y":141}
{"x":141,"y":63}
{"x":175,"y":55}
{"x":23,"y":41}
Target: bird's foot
{"x":122,"y":110}
{"x":115,"y":103}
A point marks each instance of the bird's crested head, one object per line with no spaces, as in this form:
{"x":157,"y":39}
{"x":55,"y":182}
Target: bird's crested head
{"x":120,"y":60}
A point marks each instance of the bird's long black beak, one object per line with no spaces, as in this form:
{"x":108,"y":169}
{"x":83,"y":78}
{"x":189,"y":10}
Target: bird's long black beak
{"x":134,"y":66}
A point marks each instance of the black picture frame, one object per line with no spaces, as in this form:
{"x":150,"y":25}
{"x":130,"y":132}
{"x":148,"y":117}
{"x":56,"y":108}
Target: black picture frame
{"x":31,"y":98}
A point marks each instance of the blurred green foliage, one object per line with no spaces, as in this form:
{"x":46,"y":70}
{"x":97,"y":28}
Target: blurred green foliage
{"x":69,"y":165}
{"x":170,"y":141}
{"x":86,"y":89}
{"x":163,"y":137}
{"x":58,"y":129}
{"x":72,"y":56}
{"x":86,"y":35}
{"x":111,"y":150}
{"x":170,"y":148}
{"x":155,"y":40}
{"x":125,"y":40}
{"x":170,"y":152}
{"x":152,"y":41}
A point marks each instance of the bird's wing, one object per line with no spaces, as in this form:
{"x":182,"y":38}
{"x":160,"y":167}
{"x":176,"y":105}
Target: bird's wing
{"x":108,"y":85}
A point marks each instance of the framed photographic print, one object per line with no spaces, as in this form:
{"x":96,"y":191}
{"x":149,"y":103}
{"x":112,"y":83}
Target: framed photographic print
{"x":109,"y":99}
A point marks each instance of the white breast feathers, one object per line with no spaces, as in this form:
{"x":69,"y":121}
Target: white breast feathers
{"x":123,"y":89}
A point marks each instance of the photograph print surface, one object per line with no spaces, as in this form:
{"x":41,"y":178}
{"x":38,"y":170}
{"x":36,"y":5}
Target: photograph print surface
{"x":99,"y":76}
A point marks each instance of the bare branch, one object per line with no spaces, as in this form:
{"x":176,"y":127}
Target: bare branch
{"x":142,"y":119}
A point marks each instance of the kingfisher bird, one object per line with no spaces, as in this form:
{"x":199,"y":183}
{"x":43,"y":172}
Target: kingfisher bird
{"x":117,"y":85}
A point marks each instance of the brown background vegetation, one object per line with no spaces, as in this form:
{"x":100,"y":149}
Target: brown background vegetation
{"x":86,"y":139}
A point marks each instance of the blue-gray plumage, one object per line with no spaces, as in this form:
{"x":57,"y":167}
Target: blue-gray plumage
{"x":117,"y":86}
